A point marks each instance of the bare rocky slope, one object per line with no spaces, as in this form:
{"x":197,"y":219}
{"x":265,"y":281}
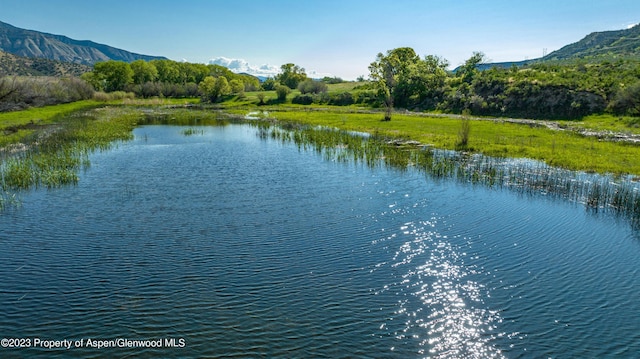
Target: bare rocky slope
{"x":35,"y":44}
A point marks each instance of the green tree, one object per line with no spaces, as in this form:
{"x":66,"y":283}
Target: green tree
{"x":168,"y":71}
{"x":269,"y":84}
{"x":291,"y":75}
{"x":312,"y":86}
{"x":391,"y":75}
{"x":192,"y":73}
{"x":237,"y":87}
{"x":251,"y":83}
{"x":143,"y":72}
{"x":94,"y":80}
{"x":213,"y":88}
{"x":627,"y":100}
{"x":469,"y":70}
{"x":114,"y":75}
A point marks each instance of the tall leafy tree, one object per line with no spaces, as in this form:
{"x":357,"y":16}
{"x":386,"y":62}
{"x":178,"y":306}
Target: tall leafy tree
{"x":168,"y":71}
{"x":469,"y":70}
{"x":237,"y":87}
{"x":114,"y":75}
{"x":213,"y":88}
{"x":431,"y":77}
{"x":143,"y":72}
{"x":392,"y":75}
{"x":291,"y":75}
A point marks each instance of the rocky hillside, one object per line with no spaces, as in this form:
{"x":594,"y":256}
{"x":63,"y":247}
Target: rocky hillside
{"x":12,"y":65}
{"x":35,"y":44}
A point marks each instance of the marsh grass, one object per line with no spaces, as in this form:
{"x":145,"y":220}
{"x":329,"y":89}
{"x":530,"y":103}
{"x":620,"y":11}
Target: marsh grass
{"x":463,"y":134}
{"x":54,"y":156}
{"x":187,"y":117}
{"x":192,"y":131}
{"x":565,"y":149}
{"x":618,"y":194}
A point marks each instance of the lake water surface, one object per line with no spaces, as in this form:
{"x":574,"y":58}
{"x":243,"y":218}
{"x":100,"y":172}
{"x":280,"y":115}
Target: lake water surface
{"x":237,"y":246}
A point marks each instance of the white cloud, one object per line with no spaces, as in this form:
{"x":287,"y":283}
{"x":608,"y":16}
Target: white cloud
{"x":631,"y":25}
{"x":242,"y":66}
{"x":318,"y":75}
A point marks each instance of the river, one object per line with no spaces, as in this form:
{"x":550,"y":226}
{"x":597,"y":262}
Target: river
{"x":219,"y":243}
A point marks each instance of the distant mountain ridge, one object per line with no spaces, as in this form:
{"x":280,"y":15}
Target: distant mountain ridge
{"x":597,"y":46}
{"x":618,"y":43}
{"x":35,"y":44}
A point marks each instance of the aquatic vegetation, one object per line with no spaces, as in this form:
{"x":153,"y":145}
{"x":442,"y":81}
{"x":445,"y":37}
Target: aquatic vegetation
{"x":619,"y":194}
{"x":192,"y":131}
{"x":183,"y":116}
{"x":559,"y":147}
{"x":53,"y":156}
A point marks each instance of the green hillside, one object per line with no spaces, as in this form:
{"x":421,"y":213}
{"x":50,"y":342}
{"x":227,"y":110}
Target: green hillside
{"x":602,"y":46}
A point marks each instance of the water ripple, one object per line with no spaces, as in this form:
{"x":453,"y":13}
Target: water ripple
{"x":444,"y":310}
{"x":250,"y":248}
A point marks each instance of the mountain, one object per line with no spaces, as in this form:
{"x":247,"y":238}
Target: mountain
{"x":618,"y":43}
{"x":11,"y":65}
{"x":597,"y":46}
{"x":35,"y":44}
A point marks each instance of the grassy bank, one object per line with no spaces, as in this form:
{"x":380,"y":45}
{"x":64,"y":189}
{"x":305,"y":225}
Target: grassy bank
{"x":19,"y":126}
{"x":566,"y":149}
{"x":54,"y":155}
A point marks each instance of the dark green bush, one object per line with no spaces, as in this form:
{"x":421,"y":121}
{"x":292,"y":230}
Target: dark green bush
{"x":305,"y":99}
{"x":342,"y":99}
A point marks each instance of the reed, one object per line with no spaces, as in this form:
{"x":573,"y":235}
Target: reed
{"x":597,"y":192}
{"x":192,"y":132}
{"x":54,"y":156}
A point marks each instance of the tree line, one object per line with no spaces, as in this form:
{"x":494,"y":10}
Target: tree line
{"x":567,"y":90}
{"x":398,"y":79}
{"x":169,"y":79}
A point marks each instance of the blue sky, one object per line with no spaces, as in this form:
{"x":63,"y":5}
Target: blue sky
{"x":329,"y":37}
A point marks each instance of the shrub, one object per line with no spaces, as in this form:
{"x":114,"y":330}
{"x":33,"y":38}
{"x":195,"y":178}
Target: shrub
{"x":463,"y":133}
{"x":303,"y":99}
{"x":332,"y":80}
{"x":366,"y":98}
{"x":342,"y":99}
{"x":282,"y":91}
{"x":17,"y":93}
{"x":115,"y":95}
{"x":269,"y":84}
{"x":101,"y":96}
{"x":627,"y":101}
{"x":311,"y":86}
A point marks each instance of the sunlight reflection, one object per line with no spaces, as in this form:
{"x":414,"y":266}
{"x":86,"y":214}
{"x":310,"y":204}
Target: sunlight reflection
{"x":444,"y":309}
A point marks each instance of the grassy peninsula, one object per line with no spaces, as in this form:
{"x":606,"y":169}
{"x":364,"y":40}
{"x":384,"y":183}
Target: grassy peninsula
{"x":597,"y":143}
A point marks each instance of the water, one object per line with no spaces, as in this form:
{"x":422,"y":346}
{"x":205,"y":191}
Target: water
{"x":236,"y":246}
